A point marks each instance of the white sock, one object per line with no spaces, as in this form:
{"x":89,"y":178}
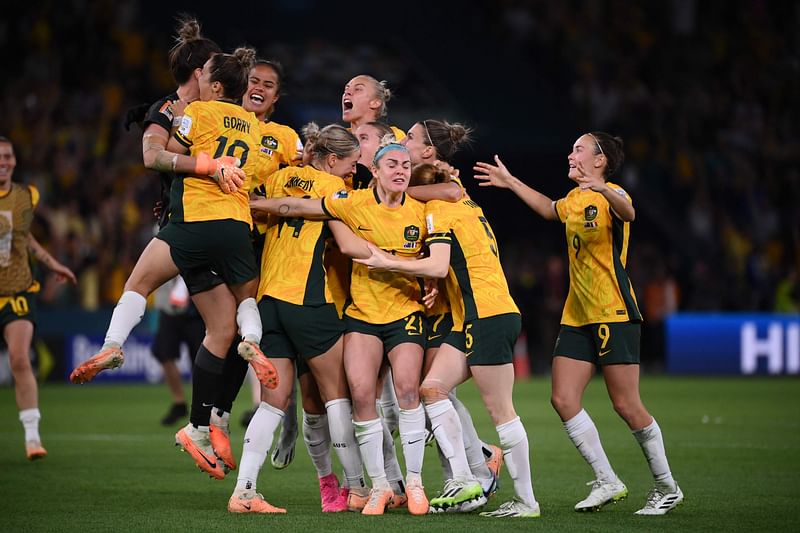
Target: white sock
{"x":412,"y":435}
{"x":220,"y":418}
{"x":127,"y":314}
{"x":30,"y":421}
{"x":447,"y":429}
{"x":584,"y":436}
{"x":389,"y":409}
{"x":343,"y":437}
{"x":473,"y":446}
{"x":257,"y":442}
{"x":317,"y":436}
{"x":514,"y":442}
{"x":390,"y":465}
{"x":249,"y":320}
{"x":370,"y":441}
{"x":652,"y":444}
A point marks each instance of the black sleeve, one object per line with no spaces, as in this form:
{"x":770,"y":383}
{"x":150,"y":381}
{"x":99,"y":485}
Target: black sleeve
{"x":160,"y":114}
{"x":362,"y":177}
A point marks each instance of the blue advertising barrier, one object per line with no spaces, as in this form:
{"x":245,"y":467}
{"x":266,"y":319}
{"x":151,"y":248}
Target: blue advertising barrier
{"x":733,"y":343}
{"x":140,"y":365}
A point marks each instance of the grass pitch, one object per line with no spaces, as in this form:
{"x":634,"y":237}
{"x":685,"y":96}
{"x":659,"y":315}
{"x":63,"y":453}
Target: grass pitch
{"x":733,"y":445}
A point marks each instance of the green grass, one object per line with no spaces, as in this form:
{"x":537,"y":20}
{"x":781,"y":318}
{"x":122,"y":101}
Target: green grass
{"x":733,"y":445}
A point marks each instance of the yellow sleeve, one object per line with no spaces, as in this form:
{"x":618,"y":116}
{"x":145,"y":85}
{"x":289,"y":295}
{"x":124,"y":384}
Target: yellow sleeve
{"x":561,"y":208}
{"x":34,"y":195}
{"x":438,"y":222}
{"x":337,"y":205}
{"x":186,"y":131}
{"x":398,"y":133}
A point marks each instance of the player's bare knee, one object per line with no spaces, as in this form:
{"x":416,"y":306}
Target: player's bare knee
{"x":564,"y":405}
{"x":431,"y":392}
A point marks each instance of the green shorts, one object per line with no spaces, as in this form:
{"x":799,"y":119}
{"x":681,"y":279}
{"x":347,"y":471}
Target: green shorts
{"x":438,"y":328}
{"x":602,"y":344}
{"x":408,"y":329}
{"x":211,"y":253}
{"x":490,"y":341}
{"x":292,"y":331}
{"x":20,"y":306}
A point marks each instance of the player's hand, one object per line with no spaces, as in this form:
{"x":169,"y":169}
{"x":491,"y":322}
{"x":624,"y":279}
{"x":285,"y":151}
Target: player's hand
{"x":228,"y":175}
{"x":447,"y":167}
{"x":431,"y":292}
{"x":590,"y":179}
{"x":63,"y":274}
{"x":158,"y":208}
{"x":496,"y":175}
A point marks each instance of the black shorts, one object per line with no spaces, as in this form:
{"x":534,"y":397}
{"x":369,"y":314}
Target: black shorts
{"x":174,"y":330}
{"x":211,"y":253}
{"x":292,"y":330}
{"x":20,"y":306}
{"x":438,"y":327}
{"x":602,"y":344}
{"x":408,"y":329}
{"x":490,"y":341}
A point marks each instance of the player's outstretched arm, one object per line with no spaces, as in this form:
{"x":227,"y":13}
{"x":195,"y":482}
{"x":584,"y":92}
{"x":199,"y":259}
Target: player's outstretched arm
{"x":497,"y":175}
{"x":348,"y":242}
{"x":435,"y":265}
{"x":310,"y":208}
{"x":63,"y":273}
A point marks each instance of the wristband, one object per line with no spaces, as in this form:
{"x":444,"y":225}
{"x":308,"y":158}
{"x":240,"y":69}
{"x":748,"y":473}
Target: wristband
{"x":205,"y":165}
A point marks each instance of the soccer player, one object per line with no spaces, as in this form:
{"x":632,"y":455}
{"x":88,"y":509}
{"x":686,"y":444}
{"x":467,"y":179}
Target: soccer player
{"x":301,"y":321}
{"x":18,"y":290}
{"x":281,"y":147}
{"x":600,"y":325}
{"x":435,"y":142}
{"x":186,"y":61}
{"x":389,"y":219}
{"x":486,"y":323}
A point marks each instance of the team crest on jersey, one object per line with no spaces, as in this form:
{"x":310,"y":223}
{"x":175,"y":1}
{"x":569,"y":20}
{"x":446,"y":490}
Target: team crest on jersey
{"x":268,"y":144}
{"x":268,"y":141}
{"x":590,"y":213}
{"x":411,"y":233}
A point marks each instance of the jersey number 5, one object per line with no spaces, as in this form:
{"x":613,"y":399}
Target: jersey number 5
{"x":488,"y":229}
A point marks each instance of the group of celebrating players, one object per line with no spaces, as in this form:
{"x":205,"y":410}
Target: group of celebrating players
{"x":356,"y":262}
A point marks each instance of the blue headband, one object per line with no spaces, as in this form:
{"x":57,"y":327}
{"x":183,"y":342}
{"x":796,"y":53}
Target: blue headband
{"x":388,"y":148}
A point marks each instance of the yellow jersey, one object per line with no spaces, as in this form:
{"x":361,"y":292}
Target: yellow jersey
{"x":381,"y":297}
{"x":597,"y":242}
{"x":16,"y":217}
{"x":292,"y":268}
{"x":217,"y":128}
{"x":476,"y":285}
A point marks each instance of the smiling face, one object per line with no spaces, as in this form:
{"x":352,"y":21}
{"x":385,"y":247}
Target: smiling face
{"x":8,"y":161}
{"x":360,"y":102}
{"x":342,"y":166}
{"x":393,"y":171}
{"x":418,"y":145}
{"x":583,"y":153}
{"x":263,"y":91}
